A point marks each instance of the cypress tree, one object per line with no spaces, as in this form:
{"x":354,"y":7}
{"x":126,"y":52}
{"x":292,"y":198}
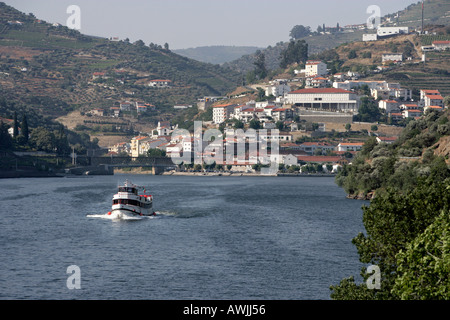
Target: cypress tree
{"x":16,"y":126}
{"x":25,"y":129}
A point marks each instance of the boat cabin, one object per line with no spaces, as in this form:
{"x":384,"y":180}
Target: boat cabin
{"x":128,"y":190}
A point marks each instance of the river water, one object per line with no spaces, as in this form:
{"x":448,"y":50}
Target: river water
{"x":214,"y":238}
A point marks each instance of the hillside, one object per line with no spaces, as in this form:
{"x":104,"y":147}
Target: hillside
{"x":216,"y":54}
{"x":50,"y":70}
{"x":436,"y":12}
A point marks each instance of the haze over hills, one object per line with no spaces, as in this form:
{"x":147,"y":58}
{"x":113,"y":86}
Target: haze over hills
{"x":216,"y":54}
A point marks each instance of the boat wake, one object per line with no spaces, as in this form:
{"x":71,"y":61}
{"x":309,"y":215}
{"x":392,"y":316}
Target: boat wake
{"x":118,"y":216}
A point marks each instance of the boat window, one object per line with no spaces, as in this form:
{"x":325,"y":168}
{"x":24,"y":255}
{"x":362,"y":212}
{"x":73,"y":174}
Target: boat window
{"x":128,"y":190}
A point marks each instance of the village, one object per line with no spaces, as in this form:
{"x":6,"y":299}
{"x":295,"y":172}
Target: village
{"x":306,"y":109}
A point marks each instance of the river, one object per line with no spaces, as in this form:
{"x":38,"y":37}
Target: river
{"x":213,"y":238}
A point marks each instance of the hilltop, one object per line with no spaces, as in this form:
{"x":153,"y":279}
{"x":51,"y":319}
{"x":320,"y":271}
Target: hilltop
{"x":216,"y":54}
{"x":51,"y":70}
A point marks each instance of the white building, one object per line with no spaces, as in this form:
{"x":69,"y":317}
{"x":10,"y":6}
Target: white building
{"x":370,"y":37}
{"x":394,"y":57}
{"x":325,"y":99}
{"x":389,"y":31}
{"x":350,"y":146}
{"x":441,"y":45}
{"x":160,"y":83}
{"x":388,"y":105}
{"x":222,"y":112}
{"x":278,"y":88}
{"x":315,"y":68}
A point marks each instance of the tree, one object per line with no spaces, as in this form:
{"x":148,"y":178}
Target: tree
{"x":260,"y":65}
{"x":348,"y":127}
{"x":296,"y":52}
{"x":299,"y":31}
{"x":5,"y":138}
{"x":255,"y":124}
{"x":25,"y":129}
{"x":166,"y":46}
{"x":43,"y":139}
{"x":15,"y":126}
{"x":156,"y":153}
{"x":424,"y":265}
{"x":392,"y":221}
{"x":352,"y":54}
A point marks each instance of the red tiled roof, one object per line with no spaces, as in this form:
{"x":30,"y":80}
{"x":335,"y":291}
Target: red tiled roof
{"x":434,"y":97}
{"x":352,"y":144}
{"x":441,"y":42}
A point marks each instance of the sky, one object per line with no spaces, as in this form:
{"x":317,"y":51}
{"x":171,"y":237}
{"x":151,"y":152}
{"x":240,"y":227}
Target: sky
{"x":194,"y":23}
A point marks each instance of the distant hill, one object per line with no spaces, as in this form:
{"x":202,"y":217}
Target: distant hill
{"x":50,"y":69}
{"x":216,"y":54}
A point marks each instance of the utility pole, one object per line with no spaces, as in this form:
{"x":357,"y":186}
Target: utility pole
{"x":422,"y":31}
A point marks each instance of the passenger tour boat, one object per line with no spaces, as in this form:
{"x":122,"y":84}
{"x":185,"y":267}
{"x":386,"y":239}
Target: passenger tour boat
{"x":129,"y":201}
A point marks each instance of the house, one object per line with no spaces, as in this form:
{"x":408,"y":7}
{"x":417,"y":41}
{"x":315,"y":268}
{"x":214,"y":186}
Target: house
{"x":164,"y":128}
{"x":98,"y":75}
{"x":315,"y":68}
{"x":312,"y":147}
{"x":160,"y":83}
{"x":138,"y":146}
{"x":424,"y":93}
{"x":222,"y":112}
{"x":127,"y":106}
{"x":433,"y":100}
{"x":370,"y":37}
{"x":324,"y":99}
{"x":441,"y":45}
{"x":396,"y":116}
{"x":350,"y":146}
{"x":142,"y":107}
{"x":278,"y":88}
{"x":436,"y":108}
{"x":316,"y":82}
{"x":391,"y":57}
{"x":412,"y":113}
{"x":115,"y":111}
{"x":173,"y":150}
{"x":388,"y":105}
{"x":389,"y":31}
{"x":98,"y":112}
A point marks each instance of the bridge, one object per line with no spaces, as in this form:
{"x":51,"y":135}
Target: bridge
{"x":158,"y":164}
{"x":107,"y":164}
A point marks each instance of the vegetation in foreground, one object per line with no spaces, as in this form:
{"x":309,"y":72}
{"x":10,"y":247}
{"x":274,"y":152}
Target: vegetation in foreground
{"x":408,"y":221}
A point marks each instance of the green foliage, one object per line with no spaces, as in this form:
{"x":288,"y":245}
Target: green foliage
{"x":296,"y":52}
{"x":352,"y":54}
{"x":156,"y":153}
{"x":407,"y":222}
{"x":425,"y":263}
{"x":368,"y":111}
{"x":299,"y":31}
